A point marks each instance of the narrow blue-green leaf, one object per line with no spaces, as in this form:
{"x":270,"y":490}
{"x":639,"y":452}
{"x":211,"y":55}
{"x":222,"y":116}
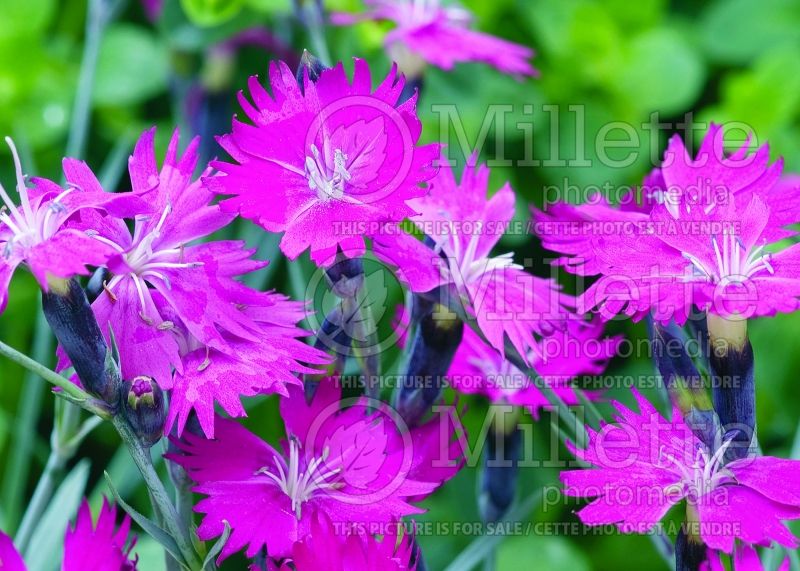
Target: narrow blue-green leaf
{"x":154,"y":530}
{"x":208,"y":563}
{"x":484,"y":545}
{"x":46,"y":545}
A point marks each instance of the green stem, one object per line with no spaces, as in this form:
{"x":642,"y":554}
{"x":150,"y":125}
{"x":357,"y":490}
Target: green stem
{"x":64,"y":441}
{"x":41,"y":497}
{"x":316,"y":30}
{"x":158,"y":493}
{"x":69,"y":390}
{"x":98,"y":16}
{"x":29,"y":408}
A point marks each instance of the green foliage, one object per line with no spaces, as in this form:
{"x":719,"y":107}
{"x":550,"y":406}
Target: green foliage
{"x":133,"y":66}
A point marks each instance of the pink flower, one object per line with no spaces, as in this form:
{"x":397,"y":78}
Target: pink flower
{"x":175,"y":303}
{"x":87,"y":547}
{"x":37,"y":233}
{"x":698,"y":238}
{"x":440,"y":35}
{"x":745,"y":558}
{"x":100,"y":547}
{"x":563,"y":356}
{"x":327,"y":548}
{"x":644,"y":464}
{"x":463,"y":226}
{"x":324,"y":161}
{"x":10,"y":559}
{"x":356,"y":465}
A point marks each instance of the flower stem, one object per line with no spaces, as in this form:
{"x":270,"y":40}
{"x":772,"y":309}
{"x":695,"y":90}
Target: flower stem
{"x":41,"y":497}
{"x":64,"y":441}
{"x":69,"y":390}
{"x":29,"y":408}
{"x":98,"y":16}
{"x":158,"y":493}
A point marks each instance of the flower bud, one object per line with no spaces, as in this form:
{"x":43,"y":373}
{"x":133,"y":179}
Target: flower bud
{"x":144,"y":409}
{"x":345,"y":276}
{"x":732,"y":371}
{"x":71,"y":318}
{"x":435,"y":344}
{"x":310,"y":65}
{"x":498,"y":484}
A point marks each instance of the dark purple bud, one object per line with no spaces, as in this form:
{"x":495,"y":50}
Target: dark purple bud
{"x":144,"y":409}
{"x":690,"y":552}
{"x":70,"y":316}
{"x":437,"y":337}
{"x":346,"y":276}
{"x":732,"y":364}
{"x":311,"y":67}
{"x":685,"y":385}
{"x":498,"y":484}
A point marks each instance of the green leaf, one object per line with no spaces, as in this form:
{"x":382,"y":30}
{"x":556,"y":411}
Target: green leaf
{"x":153,"y":529}
{"x":551,"y":553}
{"x":484,"y":545}
{"x":132,"y":66}
{"x":25,"y":17}
{"x":218,"y":545}
{"x":45,"y":547}
{"x":211,"y":12}
{"x":737,"y":31}
{"x":652,"y":62}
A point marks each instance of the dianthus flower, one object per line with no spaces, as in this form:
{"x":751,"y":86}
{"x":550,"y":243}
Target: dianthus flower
{"x":87,"y":547}
{"x":328,"y":548}
{"x":37,"y":233}
{"x":174,"y":302}
{"x":702,"y":235}
{"x":440,"y":35}
{"x":324,"y":161}
{"x":357,"y":465}
{"x":644,"y":464}
{"x":461,"y":227}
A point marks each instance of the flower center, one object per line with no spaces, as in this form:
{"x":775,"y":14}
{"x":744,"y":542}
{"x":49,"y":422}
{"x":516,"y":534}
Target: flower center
{"x":300,"y":482}
{"x":465,"y":266}
{"x":327,"y":182}
{"x":146,"y":263}
{"x":28,"y":226}
{"x":704,"y":475}
{"x":734,"y":262}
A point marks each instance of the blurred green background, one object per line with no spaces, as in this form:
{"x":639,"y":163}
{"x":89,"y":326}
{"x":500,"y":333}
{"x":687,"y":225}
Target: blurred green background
{"x":724,"y":60}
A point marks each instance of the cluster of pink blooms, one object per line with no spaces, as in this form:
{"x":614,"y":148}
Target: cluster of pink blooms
{"x":321,"y":154}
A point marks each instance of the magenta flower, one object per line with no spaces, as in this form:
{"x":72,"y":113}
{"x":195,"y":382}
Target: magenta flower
{"x":175,"y":303}
{"x":87,"y":547}
{"x":324,"y":162}
{"x":562,"y":357}
{"x":356,"y":465}
{"x":698,"y":238}
{"x":463,"y":226}
{"x":100,"y":547}
{"x":745,"y":558}
{"x":37,"y":233}
{"x":326,"y":547}
{"x":440,"y":35}
{"x":644,"y":464}
{"x":10,"y":559}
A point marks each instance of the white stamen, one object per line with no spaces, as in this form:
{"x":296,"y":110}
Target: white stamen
{"x":299,"y":483}
{"x":328,"y":185}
